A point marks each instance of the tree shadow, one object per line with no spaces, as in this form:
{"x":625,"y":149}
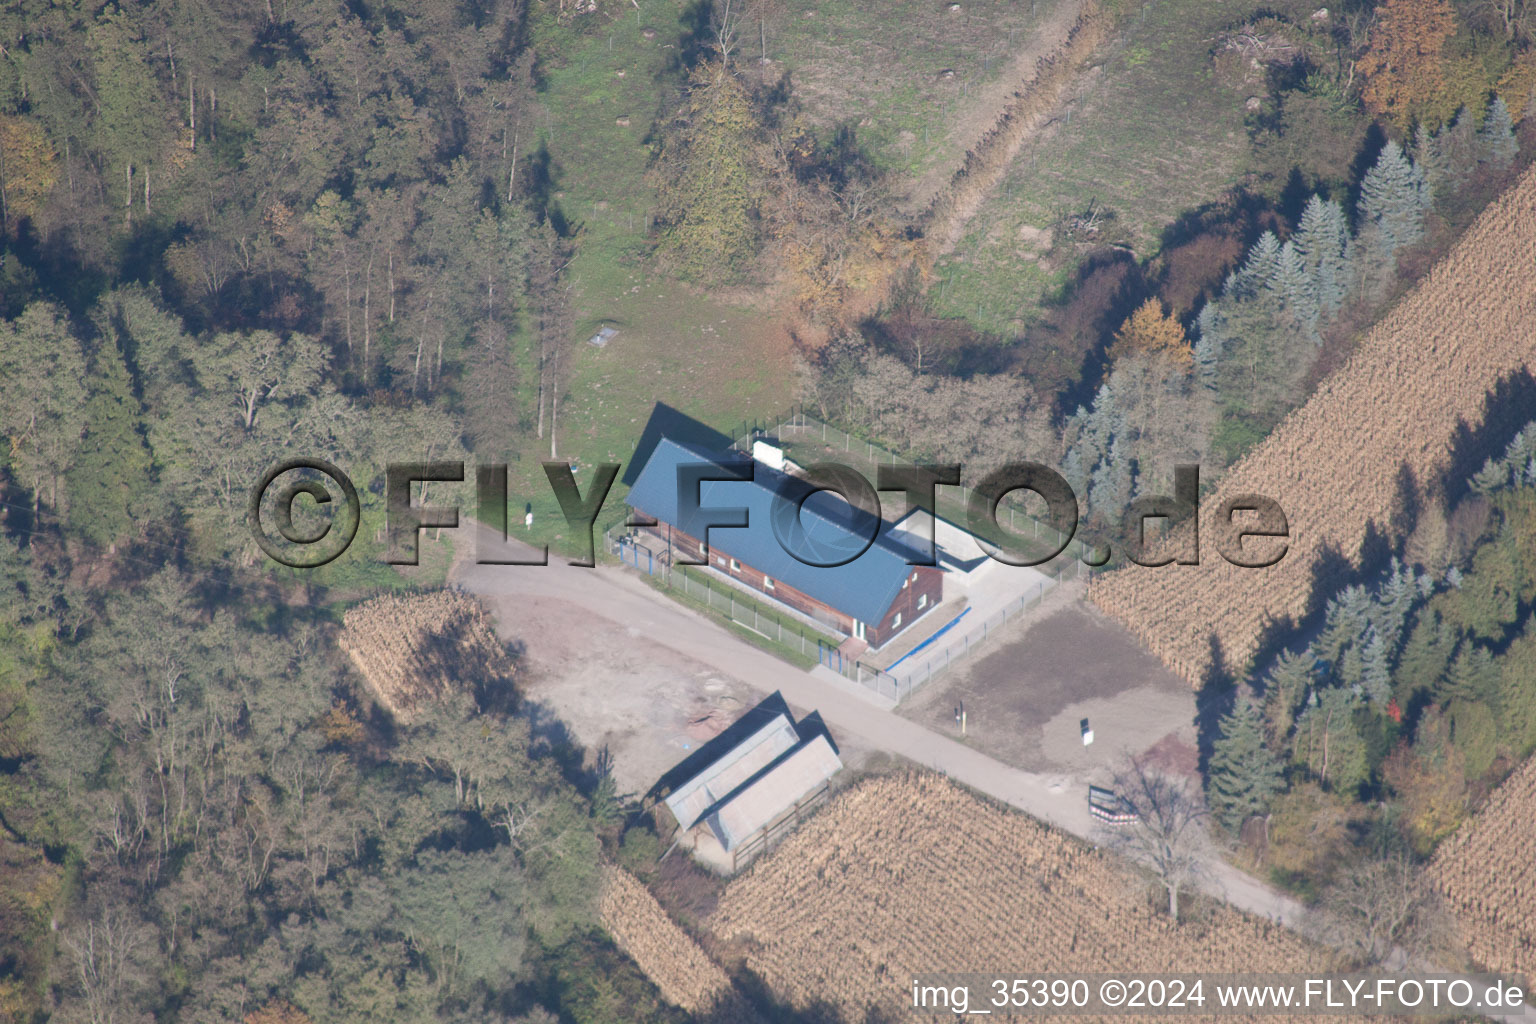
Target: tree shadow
{"x":1510,"y":406}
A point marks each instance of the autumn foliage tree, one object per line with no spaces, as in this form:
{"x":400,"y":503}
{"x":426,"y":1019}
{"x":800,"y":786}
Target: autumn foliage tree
{"x":28,"y":169}
{"x":709,"y":175}
{"x":1152,"y":331}
{"x":1403,"y":63}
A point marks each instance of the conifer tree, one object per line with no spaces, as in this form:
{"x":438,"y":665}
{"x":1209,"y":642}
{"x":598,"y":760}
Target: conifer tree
{"x":1497,"y":138}
{"x":1430,"y":157}
{"x":1210,"y":329}
{"x":1393,"y":203}
{"x":1344,"y":623}
{"x":1473,"y":676}
{"x":1300,"y":291}
{"x":109,"y":483}
{"x":1459,"y":149}
{"x":1285,"y":688}
{"x":1245,"y":775}
{"x":1321,"y":241}
{"x":1256,"y":277}
{"x":710,"y":206}
{"x":1376,"y":670}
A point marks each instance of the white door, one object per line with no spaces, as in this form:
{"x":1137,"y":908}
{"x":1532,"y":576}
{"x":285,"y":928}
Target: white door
{"x":858,"y":629}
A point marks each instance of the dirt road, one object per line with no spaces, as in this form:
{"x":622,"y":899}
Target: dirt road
{"x":617,"y":608}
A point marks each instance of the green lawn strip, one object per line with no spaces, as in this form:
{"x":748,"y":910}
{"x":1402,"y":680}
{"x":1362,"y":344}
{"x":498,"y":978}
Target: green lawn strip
{"x":746,"y":604}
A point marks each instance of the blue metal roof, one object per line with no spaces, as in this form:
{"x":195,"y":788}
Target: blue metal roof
{"x":827,"y":530}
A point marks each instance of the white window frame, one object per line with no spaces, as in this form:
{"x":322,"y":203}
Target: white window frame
{"x":768,"y":582}
{"x":735,"y":566}
{"x":896,"y":622}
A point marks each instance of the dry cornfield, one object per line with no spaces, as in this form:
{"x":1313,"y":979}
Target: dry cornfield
{"x":1339,"y":464}
{"x":910,"y":873}
{"x":1488,"y":875}
{"x":416,"y":648}
{"x":680,"y":970}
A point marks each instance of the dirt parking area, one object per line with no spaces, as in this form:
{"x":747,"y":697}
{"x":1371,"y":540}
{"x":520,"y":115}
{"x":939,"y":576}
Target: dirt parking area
{"x":1026,"y":695}
{"x":611,"y":686}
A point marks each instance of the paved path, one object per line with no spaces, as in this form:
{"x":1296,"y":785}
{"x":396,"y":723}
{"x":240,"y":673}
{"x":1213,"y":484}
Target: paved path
{"x":619,"y":601}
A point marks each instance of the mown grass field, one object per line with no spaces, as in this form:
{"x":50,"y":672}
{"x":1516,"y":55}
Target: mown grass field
{"x":715,"y":359}
{"x":1152,"y":134}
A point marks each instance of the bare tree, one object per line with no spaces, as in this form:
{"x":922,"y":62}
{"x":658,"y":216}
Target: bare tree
{"x":108,"y":970}
{"x":1514,"y":18}
{"x":726,"y":24}
{"x":1168,"y":835}
{"x":1384,"y":913}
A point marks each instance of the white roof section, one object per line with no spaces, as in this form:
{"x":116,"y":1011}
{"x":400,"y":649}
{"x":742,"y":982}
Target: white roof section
{"x":757,"y":805}
{"x":689,"y":801}
{"x":768,"y":453}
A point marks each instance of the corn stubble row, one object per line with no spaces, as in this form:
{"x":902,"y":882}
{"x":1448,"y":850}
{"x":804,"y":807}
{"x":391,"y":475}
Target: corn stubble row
{"x":1487,"y":872}
{"x":416,"y":648}
{"x":1336,"y":464}
{"x":910,"y":873}
{"x":680,"y":970}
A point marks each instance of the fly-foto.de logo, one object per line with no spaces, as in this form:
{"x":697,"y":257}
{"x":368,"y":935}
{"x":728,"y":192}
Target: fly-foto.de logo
{"x":305,"y":513}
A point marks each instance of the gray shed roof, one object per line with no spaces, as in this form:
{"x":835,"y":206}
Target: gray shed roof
{"x":755,"y":806}
{"x":689,"y":802}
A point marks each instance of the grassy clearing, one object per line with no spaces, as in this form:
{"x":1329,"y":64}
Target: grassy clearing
{"x":909,"y":74}
{"x":713,"y":359}
{"x":1152,"y":134}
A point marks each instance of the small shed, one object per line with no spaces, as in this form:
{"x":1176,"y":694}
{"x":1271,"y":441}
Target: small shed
{"x":693,"y":799}
{"x":763,"y":775}
{"x":602,"y":337}
{"x":775,"y":796}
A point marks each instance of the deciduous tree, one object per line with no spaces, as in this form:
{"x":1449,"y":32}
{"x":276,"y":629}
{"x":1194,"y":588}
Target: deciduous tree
{"x":1403,"y":63}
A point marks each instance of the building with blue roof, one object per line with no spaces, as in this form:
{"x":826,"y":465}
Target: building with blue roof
{"x":805,"y":548}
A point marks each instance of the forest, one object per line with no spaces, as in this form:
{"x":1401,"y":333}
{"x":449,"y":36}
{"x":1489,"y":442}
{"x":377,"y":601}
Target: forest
{"x":232,"y":231}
